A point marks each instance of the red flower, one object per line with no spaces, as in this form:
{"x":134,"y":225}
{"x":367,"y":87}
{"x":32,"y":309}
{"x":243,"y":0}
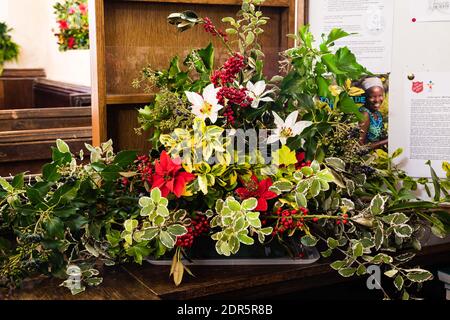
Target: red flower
{"x":300,"y":160}
{"x":168,"y":178}
{"x":259,"y":190}
{"x":71,"y":42}
{"x":83,"y":8}
{"x":63,"y":25}
{"x":72,"y":10}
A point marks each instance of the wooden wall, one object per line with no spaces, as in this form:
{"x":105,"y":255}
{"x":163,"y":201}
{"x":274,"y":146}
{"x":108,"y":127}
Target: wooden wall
{"x":16,"y":87}
{"x":126,"y":35}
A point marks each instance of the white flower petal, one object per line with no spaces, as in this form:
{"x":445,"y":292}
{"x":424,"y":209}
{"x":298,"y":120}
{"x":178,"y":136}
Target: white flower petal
{"x":283,"y":140}
{"x":259,"y":87}
{"x":213,"y":117}
{"x":194,"y":98}
{"x":249,"y":86}
{"x":266,"y":99}
{"x":278,"y":121}
{"x":255,"y":103}
{"x":300,"y":126}
{"x":216,"y":108}
{"x":273,"y":138}
{"x":210,"y":94}
{"x":291,"y":119}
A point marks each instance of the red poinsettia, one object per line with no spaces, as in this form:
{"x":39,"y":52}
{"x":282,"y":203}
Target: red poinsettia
{"x":168,"y":177}
{"x":63,"y":25}
{"x":259,"y":190}
{"x":71,"y":42}
{"x":83,"y":8}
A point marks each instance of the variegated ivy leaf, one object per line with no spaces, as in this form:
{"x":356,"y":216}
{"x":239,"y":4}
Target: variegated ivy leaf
{"x":300,"y":200}
{"x":403,"y":231}
{"x":155,"y":195}
{"x":149,"y":233}
{"x":419,"y":275}
{"x":249,"y":204}
{"x":62,"y":146}
{"x":176,"y":230}
{"x":130,"y":224}
{"x":315,"y":166}
{"x":325,"y":175}
{"x":377,"y":204}
{"x":283,"y":186}
{"x":167,"y":239}
{"x":336,"y":163}
{"x":315,"y":188}
{"x":233,"y":204}
{"x":395,"y":218}
{"x":347,"y":205}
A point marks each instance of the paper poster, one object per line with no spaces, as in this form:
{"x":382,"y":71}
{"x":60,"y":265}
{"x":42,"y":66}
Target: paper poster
{"x":371,"y":21}
{"x":430,"y":10}
{"x":427,"y":101}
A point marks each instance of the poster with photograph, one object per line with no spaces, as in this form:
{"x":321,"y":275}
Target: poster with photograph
{"x":370,"y":23}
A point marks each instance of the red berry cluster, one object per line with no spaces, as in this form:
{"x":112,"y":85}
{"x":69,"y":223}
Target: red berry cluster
{"x":344,"y":220}
{"x":211,"y":28}
{"x":234,"y":96}
{"x":199,"y":225}
{"x":287,"y":222}
{"x":229,"y":115}
{"x":144,"y":167}
{"x":227,"y":74}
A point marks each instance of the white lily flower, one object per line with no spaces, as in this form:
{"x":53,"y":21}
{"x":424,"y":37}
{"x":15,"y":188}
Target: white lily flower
{"x":288,"y":128}
{"x":206,"y":106}
{"x":256,"y":92}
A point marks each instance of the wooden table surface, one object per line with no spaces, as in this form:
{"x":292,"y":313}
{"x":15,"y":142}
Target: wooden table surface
{"x":149,"y":282}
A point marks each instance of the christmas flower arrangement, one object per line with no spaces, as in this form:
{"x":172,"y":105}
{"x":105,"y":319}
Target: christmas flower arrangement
{"x":238,"y":159}
{"x":9,"y":50}
{"x":73,"y":24}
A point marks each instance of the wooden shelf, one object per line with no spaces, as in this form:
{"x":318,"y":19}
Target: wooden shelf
{"x":128,"y":98}
{"x":267,"y":3}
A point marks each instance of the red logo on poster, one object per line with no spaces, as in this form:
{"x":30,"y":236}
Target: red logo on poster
{"x":417,"y":87}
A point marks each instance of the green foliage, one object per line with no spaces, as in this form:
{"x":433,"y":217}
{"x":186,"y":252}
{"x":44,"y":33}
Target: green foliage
{"x":9,"y":50}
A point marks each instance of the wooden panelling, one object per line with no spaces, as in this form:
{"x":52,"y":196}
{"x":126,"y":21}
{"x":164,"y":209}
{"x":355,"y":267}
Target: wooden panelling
{"x":50,"y":94}
{"x":122,"y":123}
{"x":29,"y":119}
{"x":16,"y":87}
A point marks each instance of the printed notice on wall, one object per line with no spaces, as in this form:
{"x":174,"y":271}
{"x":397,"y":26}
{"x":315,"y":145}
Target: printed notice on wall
{"x":427,"y":100}
{"x":370,"y":20}
{"x":430,"y":10}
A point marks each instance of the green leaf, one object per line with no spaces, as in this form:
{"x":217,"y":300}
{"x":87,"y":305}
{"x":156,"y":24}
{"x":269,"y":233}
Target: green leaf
{"x":62,"y":146}
{"x":149,"y":234}
{"x":419,"y":275}
{"x":5,"y":185}
{"x":336,"y":34}
{"x":155,"y":195}
{"x":358,"y":249}
{"x":177,"y":230}
{"x":166,"y":239}
{"x":379,"y":237}
{"x":124,"y":158}
{"x":336,"y":163}
{"x":377,"y":204}
{"x":338,"y":264}
{"x":361,"y":270}
{"x":326,"y":253}
{"x":348,"y":105}
{"x":130,"y":224}
{"x":332,"y":243}
{"x":54,"y":227}
{"x":403,"y":231}
{"x":18,"y":181}
{"x":283,"y":186}
{"x":398,"y":282}
{"x":391,"y":273}
{"x":309,"y":240}
{"x":246,"y":239}
{"x":249,"y":204}
{"x":50,"y":172}
{"x":347,"y":272}
{"x":250,"y":38}
{"x":300,"y":199}
{"x":233,"y":204}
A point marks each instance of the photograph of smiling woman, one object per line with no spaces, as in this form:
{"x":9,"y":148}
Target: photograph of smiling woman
{"x":374,"y":125}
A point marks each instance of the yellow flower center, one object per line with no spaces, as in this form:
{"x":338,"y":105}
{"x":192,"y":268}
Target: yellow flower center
{"x":206,"y":108}
{"x":286,"y":132}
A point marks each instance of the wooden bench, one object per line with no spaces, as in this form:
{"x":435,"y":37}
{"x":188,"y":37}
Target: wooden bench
{"x":26,"y":135}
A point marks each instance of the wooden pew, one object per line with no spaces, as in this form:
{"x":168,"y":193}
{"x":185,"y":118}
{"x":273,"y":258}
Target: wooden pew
{"x":27,"y":135}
